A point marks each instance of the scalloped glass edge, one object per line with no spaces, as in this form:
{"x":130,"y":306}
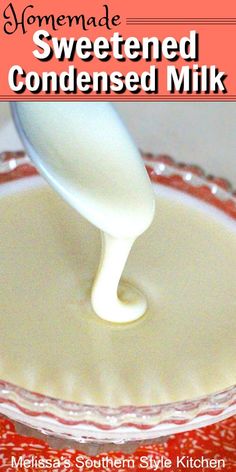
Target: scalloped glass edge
{"x":128,"y":423}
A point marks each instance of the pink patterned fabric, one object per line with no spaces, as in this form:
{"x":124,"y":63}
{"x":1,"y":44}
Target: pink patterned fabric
{"x":217,"y":442}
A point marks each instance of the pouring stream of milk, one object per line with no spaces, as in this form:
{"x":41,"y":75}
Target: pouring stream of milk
{"x":86,"y":154}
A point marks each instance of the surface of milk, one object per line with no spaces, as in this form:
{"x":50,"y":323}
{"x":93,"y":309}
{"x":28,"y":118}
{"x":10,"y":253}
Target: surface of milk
{"x":52,"y":342}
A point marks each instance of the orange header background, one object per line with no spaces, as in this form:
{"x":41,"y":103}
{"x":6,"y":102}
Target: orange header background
{"x":215,"y":23}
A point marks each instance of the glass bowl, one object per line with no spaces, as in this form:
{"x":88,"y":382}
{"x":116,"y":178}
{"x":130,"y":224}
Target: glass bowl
{"x":102,"y":425}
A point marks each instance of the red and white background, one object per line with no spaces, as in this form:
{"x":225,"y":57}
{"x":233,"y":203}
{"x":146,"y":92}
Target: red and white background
{"x":216,"y":442}
{"x":215,"y":23}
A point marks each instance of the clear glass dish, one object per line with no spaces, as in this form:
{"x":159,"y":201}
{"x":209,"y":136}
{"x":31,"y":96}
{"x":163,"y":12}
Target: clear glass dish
{"x":101,"y":425}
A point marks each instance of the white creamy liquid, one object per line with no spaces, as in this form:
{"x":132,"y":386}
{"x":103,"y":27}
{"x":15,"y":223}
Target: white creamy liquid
{"x":88,"y":157}
{"x":52,"y":342}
